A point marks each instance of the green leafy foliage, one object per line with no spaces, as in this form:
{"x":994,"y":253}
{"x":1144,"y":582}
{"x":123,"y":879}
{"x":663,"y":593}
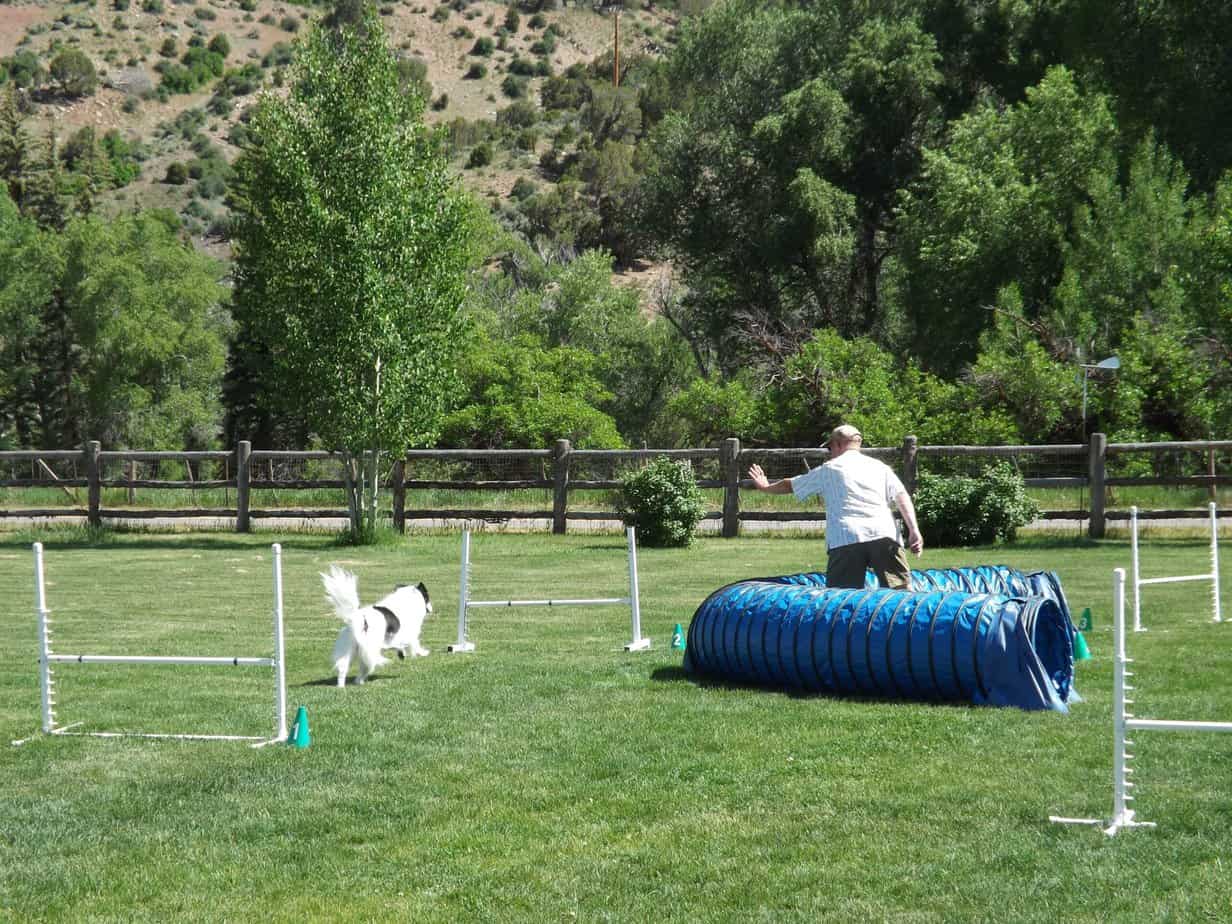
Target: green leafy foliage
{"x":994,"y":208}
{"x":74,"y":73}
{"x":663,"y":502}
{"x":521,"y":394}
{"x":960,"y":510}
{"x":352,"y":247}
{"x":706,"y":411}
{"x":110,"y":330}
{"x":198,"y":66}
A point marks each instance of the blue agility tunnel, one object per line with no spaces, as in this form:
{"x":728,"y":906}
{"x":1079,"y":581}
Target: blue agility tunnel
{"x":1002,"y":649}
{"x":982,"y":579}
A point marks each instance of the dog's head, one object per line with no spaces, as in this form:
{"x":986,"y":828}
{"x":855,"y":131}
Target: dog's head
{"x":423,"y":592}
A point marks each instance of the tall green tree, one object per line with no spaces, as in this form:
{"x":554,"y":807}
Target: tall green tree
{"x":994,"y":206}
{"x":14,"y":144}
{"x":352,"y":244}
{"x":1166,"y":66}
{"x":773,"y":184}
{"x":29,"y":270}
{"x":109,"y":330}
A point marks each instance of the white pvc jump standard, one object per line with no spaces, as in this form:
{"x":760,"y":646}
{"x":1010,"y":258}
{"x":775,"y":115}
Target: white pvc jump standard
{"x":47,"y":658}
{"x":1124,"y":721}
{"x":463,"y":644}
{"x":1140,"y":582}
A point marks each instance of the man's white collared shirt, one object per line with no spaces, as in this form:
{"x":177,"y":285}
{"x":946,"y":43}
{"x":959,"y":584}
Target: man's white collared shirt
{"x":858,"y":491}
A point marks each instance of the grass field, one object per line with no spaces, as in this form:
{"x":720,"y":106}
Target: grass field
{"x":551,"y":776}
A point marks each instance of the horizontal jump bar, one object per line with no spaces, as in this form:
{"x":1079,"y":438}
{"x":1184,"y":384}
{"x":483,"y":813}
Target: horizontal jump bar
{"x":159,"y":659}
{"x":607,"y":600}
{"x":1166,"y":725}
{"x":87,"y":734}
{"x":1176,"y":580}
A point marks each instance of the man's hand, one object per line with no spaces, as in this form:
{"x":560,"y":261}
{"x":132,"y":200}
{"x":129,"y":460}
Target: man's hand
{"x":915,"y":542}
{"x":758,"y":477}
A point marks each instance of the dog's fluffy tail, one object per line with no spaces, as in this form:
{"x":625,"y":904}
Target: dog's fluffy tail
{"x":342,"y":591}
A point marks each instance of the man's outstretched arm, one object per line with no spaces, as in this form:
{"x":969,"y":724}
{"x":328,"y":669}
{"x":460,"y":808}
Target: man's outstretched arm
{"x":762,"y":483}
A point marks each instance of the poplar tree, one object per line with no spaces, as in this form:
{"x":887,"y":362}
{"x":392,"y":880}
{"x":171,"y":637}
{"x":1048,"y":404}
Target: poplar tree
{"x":352,"y":247}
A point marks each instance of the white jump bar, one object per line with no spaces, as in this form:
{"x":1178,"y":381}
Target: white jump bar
{"x":159,"y":659}
{"x":623,"y":601}
{"x":60,"y":731}
{"x":1175,"y":580}
{"x":1177,"y":725}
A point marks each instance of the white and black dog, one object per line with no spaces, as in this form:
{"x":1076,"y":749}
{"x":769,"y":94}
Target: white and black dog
{"x":393,"y":622}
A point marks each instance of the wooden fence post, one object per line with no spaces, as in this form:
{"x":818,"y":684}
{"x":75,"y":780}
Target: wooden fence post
{"x":398,"y":476}
{"x":94,"y":490}
{"x":560,"y":485}
{"x":729,"y":461}
{"x":243,"y":477}
{"x":910,"y":469}
{"x":1097,"y":454}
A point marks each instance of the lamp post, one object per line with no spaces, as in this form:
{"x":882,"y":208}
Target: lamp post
{"x":1112,"y":362}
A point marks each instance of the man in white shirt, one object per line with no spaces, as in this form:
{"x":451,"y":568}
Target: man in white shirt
{"x":860,"y":529}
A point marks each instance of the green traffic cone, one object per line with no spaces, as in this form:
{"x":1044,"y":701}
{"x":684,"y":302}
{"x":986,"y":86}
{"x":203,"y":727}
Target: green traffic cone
{"x":678,"y":638}
{"x":1084,"y":624}
{"x":1081,"y":651}
{"x":300,"y":736}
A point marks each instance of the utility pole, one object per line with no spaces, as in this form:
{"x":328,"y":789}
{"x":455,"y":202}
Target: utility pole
{"x":601,"y":6}
{"x":616,"y":47}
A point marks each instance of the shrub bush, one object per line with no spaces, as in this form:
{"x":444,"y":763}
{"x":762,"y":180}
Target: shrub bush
{"x":74,"y":73}
{"x":961,"y":510}
{"x":481,"y":156}
{"x":280,"y":54}
{"x":662,"y":502}
{"x":523,"y":188}
{"x":514,"y":87}
{"x":177,"y":174}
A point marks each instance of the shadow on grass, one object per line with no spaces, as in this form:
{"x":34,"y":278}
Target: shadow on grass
{"x":680,"y":675}
{"x":333,"y":682}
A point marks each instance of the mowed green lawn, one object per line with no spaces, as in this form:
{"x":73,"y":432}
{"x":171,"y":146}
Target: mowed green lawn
{"x":551,"y":776}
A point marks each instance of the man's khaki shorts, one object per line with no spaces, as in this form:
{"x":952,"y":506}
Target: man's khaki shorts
{"x":846,"y":564}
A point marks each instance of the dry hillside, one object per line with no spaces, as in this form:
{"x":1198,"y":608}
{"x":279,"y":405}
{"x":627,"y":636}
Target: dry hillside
{"x":125,"y":44}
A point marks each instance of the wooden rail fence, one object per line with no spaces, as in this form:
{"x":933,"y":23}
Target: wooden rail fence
{"x":562,"y":470}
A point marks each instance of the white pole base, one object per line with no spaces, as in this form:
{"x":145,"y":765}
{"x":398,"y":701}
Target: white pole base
{"x":459,"y":647}
{"x":1126,"y":820}
{"x":641,"y":644}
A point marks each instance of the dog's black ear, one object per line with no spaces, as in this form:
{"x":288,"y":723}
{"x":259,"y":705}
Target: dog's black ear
{"x":423,"y":590}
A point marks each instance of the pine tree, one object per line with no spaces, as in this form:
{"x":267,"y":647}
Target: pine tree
{"x":43,"y":199}
{"x":14,"y":145}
